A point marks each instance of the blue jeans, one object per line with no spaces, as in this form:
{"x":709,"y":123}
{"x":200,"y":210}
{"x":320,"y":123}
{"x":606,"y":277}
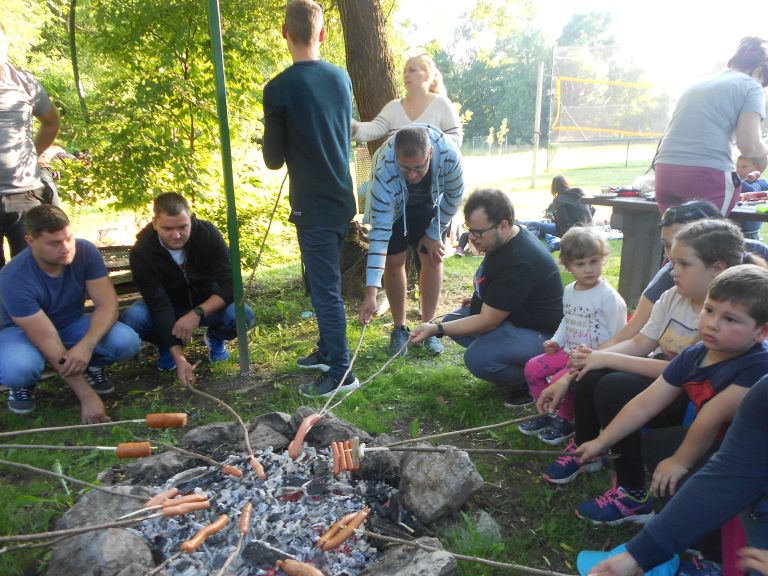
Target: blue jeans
{"x":539,"y":227}
{"x":320,"y":252}
{"x":21,"y":363}
{"x":220,"y":325}
{"x":499,"y":356}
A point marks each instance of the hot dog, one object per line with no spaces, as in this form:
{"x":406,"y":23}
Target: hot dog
{"x":232,"y":471}
{"x":258,"y":468}
{"x":133,"y":450}
{"x":335,"y":528}
{"x":160,"y":498}
{"x":185,"y":500}
{"x":336,"y":458}
{"x":185,"y":508}
{"x":346,"y":531}
{"x":245,"y":518}
{"x":296,"y":568}
{"x":193,"y":543}
{"x":295,"y":446}
{"x":166,"y":420}
{"x":346,"y":449}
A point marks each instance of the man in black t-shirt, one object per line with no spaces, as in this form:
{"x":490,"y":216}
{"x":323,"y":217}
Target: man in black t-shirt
{"x":517,"y":301}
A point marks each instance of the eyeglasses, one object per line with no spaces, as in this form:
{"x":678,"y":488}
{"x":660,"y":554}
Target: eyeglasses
{"x":419,"y":170}
{"x":479,"y":233}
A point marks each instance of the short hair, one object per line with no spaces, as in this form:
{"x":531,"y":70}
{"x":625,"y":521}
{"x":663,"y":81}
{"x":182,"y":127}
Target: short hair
{"x":689,"y":212}
{"x":496,"y":204}
{"x":45,"y":218}
{"x":170,"y":203}
{"x":759,"y":162}
{"x":713,"y":241}
{"x":559,"y":184}
{"x":745,"y":284}
{"x":751,"y":53}
{"x":582,"y":242}
{"x":303,"y":20}
{"x":412,"y":141}
{"x":427,"y":64}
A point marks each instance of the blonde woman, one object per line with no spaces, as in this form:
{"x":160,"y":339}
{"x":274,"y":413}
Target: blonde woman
{"x":425,"y":102}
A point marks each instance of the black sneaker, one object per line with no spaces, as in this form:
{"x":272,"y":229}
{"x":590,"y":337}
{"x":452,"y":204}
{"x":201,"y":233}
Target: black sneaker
{"x":398,"y":341}
{"x":97,"y":379}
{"x":326,"y":384}
{"x":314,"y":361}
{"x":518,"y":399}
{"x":21,"y":400}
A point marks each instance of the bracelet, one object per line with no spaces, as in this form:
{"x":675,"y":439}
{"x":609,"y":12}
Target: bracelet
{"x":440,"y":330}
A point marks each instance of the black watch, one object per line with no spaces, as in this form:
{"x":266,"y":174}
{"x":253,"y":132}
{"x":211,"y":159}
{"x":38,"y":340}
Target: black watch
{"x":199,"y":311}
{"x":440,"y":329}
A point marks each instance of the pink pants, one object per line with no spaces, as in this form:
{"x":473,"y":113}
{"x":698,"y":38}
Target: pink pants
{"x":539,"y":368}
{"x":678,"y":184}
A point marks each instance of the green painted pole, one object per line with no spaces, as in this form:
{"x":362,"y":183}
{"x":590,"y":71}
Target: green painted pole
{"x":214,"y":24}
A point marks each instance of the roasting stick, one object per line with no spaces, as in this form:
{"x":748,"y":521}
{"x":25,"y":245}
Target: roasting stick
{"x":493,"y":563}
{"x":160,"y":420}
{"x":226,"y":468}
{"x":245,"y":526}
{"x":325,"y":409}
{"x":254,"y":462}
{"x":122,"y":450}
{"x":193,"y":543}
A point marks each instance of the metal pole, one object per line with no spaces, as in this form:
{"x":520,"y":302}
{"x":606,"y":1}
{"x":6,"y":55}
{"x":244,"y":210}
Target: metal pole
{"x":214,"y":24}
{"x":537,"y":121}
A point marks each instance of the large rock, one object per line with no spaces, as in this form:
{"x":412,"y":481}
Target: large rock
{"x":411,"y":561}
{"x":101,"y":553}
{"x":263,"y":435}
{"x":216,"y":441}
{"x":329,"y":429}
{"x":433,"y":485}
{"x":156,"y":469}
{"x":98,"y":506}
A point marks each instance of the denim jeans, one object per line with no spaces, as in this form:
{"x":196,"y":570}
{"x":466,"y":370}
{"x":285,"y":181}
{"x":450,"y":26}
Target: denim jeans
{"x":320,"y":252}
{"x":21,"y":363}
{"x":499,"y":356}
{"x":221,"y":325}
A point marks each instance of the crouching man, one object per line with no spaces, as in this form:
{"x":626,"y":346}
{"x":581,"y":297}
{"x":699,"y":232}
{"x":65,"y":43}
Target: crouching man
{"x":181,"y":266}
{"x":42,"y":317}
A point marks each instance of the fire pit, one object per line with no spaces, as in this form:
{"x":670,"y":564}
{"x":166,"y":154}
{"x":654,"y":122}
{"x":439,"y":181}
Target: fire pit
{"x":298,"y":502}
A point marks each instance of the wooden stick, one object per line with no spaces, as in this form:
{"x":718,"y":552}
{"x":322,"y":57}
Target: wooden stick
{"x":76,"y":531}
{"x":55,"y":447}
{"x":466,"y":431}
{"x":477,"y":451}
{"x":72,"y":427}
{"x":69,"y":479}
{"x":325,"y":408}
{"x":493,"y":563}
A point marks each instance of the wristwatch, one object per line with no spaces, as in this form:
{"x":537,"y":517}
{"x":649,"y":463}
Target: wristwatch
{"x":199,"y":311}
{"x":440,"y":329}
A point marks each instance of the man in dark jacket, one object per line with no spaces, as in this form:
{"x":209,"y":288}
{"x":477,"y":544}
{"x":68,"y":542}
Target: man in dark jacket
{"x":181,"y":266}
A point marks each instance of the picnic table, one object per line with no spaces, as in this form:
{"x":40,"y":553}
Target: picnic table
{"x":641,"y":253}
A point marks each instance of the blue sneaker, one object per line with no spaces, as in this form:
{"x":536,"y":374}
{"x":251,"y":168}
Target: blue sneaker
{"x":21,"y":400}
{"x":615,"y":507}
{"x":559,"y":430}
{"x":567,"y":468}
{"x":217,"y":352}
{"x":165,"y":361}
{"x":533,"y":427}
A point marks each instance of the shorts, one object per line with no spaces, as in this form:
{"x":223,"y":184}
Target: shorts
{"x":419,"y":218}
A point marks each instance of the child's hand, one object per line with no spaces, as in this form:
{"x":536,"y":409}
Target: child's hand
{"x":551,"y":347}
{"x":590,"y":451}
{"x":620,"y":565}
{"x":752,"y":176}
{"x":583,"y":360}
{"x":552,"y":395}
{"x":666,"y":476}
{"x":753,"y":559}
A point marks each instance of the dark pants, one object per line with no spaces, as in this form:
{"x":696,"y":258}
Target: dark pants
{"x":614,"y":391}
{"x":320,"y":252}
{"x":13,"y":208}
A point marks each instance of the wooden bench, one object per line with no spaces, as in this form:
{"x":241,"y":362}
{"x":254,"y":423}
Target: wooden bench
{"x":116,"y":259}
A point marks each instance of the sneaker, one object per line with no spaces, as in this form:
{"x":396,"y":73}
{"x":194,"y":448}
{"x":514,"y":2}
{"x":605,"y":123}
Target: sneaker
{"x":518,"y":399}
{"x":97,"y":379}
{"x":558,"y":431}
{"x":398,"y":341}
{"x":567,"y":468}
{"x":459,"y":252}
{"x":433,"y":346}
{"x":326,"y":384}
{"x":533,"y":427}
{"x":165,"y":361}
{"x":615,"y":507}
{"x":21,"y":400}
{"x":217,"y":351}
{"x":315,"y":361}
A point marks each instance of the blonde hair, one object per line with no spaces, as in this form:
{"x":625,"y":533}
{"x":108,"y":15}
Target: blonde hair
{"x":426,"y":63}
{"x":303,"y":20}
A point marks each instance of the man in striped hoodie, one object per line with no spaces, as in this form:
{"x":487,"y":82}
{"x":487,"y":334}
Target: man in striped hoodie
{"x":417,"y":188}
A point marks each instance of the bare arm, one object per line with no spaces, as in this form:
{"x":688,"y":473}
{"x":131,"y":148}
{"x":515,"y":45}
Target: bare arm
{"x":749,"y":138}
{"x":488,"y":319}
{"x":49,"y":127}
{"x":627,"y":356}
{"x":632,"y":328}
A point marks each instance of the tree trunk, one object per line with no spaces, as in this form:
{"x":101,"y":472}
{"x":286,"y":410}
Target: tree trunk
{"x":369,"y":60}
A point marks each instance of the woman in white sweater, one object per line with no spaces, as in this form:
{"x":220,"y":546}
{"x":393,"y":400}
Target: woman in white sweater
{"x":425,"y":102}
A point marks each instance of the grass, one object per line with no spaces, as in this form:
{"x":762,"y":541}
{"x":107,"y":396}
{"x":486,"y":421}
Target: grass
{"x":416,"y":395}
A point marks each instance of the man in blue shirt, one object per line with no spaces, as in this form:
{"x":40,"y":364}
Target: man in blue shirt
{"x":45,"y":320}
